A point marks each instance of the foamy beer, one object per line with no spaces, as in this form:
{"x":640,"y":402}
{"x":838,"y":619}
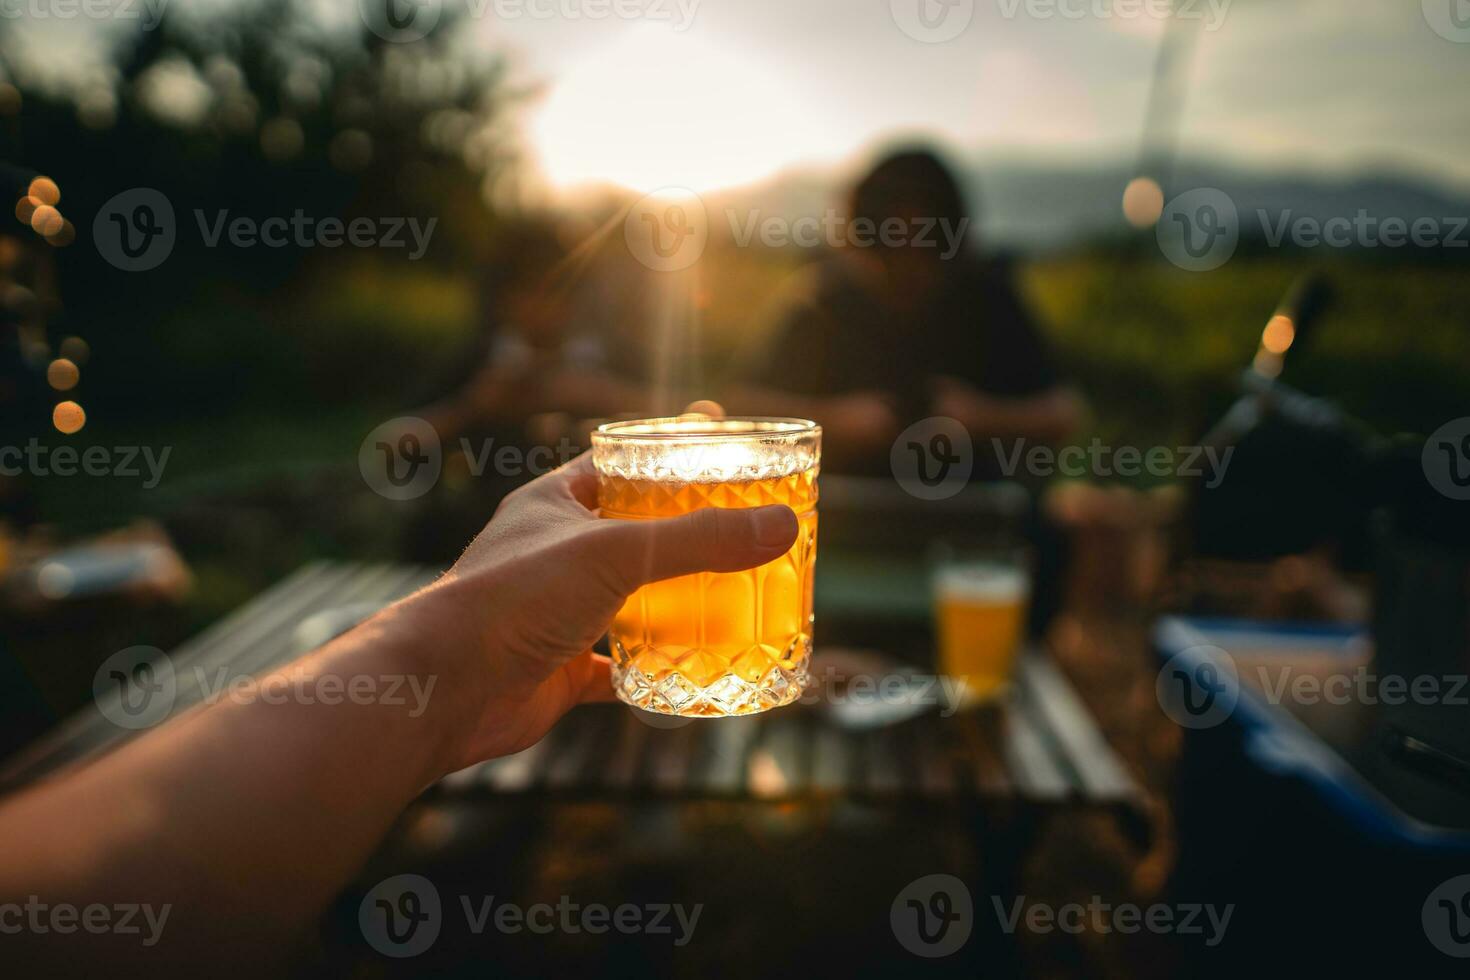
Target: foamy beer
{"x":979,"y":611}
{"x":713,"y":644}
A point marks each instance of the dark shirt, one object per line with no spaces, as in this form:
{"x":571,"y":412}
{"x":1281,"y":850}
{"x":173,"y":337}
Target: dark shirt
{"x":841,"y":340}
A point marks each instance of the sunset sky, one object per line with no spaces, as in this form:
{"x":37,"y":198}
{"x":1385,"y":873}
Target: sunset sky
{"x":708,"y":93}
{"x":1303,"y":84}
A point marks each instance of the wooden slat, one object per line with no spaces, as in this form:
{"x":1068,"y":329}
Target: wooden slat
{"x":369,"y":585}
{"x":1044,"y":746}
{"x":883,"y":757}
{"x":270,"y":614}
{"x":1034,"y":771}
{"x":933,"y":759}
{"x":670,"y":753}
{"x":584,"y":733}
{"x":465,"y":778}
{"x":89,"y":730}
{"x":373,"y":585}
{"x":206,"y":669}
{"x":1056,"y":702}
{"x":517,"y":773}
{"x":777,"y":767}
{"x":990,"y":774}
{"x":301,"y":583}
{"x":728,"y":746}
{"x":833,"y":755}
{"x":697,"y":775}
{"x":623,"y":762}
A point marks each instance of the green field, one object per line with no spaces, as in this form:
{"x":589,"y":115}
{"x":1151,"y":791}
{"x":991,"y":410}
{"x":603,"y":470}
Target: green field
{"x":1156,"y":351}
{"x":268,"y":478}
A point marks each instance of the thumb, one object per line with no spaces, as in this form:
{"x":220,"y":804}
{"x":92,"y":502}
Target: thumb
{"x":711,"y":539}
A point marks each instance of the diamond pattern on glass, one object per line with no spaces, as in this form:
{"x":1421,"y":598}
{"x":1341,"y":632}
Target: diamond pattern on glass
{"x":710,"y":644}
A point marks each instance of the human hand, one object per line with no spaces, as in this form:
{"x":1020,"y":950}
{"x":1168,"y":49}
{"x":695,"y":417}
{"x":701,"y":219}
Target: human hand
{"x":1052,"y":415}
{"x":513,"y":621}
{"x":861,"y":422}
{"x":864,"y":409}
{"x":971,"y":407}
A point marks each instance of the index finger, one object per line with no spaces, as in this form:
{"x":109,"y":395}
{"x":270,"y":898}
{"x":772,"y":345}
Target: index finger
{"x":579,"y":478}
{"x":706,"y":407}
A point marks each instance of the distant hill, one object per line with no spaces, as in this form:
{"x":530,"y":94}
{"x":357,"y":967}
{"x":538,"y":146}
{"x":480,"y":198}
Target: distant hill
{"x":1034,"y":206}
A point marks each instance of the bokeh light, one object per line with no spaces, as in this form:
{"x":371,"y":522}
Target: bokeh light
{"x":76,"y":350}
{"x":1279,"y":334}
{"x":97,"y":108}
{"x":46,"y":220}
{"x":68,"y":417}
{"x":281,"y":138}
{"x":54,"y":580}
{"x":44,"y":190}
{"x":63,"y":236}
{"x":62,"y":374}
{"x":1143,"y":202}
{"x":351,"y":150}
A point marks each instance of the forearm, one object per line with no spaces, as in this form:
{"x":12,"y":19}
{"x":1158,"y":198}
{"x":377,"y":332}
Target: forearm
{"x":240,"y":821}
{"x":244,"y":817}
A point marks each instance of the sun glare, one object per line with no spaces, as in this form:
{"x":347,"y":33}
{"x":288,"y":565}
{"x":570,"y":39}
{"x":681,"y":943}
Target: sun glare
{"x":659,"y":108}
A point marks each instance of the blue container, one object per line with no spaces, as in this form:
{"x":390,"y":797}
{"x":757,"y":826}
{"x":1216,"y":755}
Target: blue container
{"x":1325,"y":871}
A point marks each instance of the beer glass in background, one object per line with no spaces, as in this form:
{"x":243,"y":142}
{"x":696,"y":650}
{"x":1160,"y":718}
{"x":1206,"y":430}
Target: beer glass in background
{"x":980,"y":603}
{"x":713,"y":644}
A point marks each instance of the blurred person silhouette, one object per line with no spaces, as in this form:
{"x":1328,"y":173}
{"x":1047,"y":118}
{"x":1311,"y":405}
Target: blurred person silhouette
{"x":525,"y":331}
{"x":544,"y":359}
{"x":906,"y":323}
{"x":542,"y":363}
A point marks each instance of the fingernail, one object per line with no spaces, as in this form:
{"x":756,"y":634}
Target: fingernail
{"x":774,"y":526}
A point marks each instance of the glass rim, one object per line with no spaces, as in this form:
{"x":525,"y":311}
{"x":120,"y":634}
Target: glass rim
{"x":705,"y":428}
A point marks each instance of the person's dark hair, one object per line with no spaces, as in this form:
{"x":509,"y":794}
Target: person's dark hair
{"x":913,"y":181}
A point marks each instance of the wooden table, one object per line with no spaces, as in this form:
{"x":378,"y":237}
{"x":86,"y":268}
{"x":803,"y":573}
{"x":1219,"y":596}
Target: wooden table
{"x":996,"y":777}
{"x":1044,"y":749}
